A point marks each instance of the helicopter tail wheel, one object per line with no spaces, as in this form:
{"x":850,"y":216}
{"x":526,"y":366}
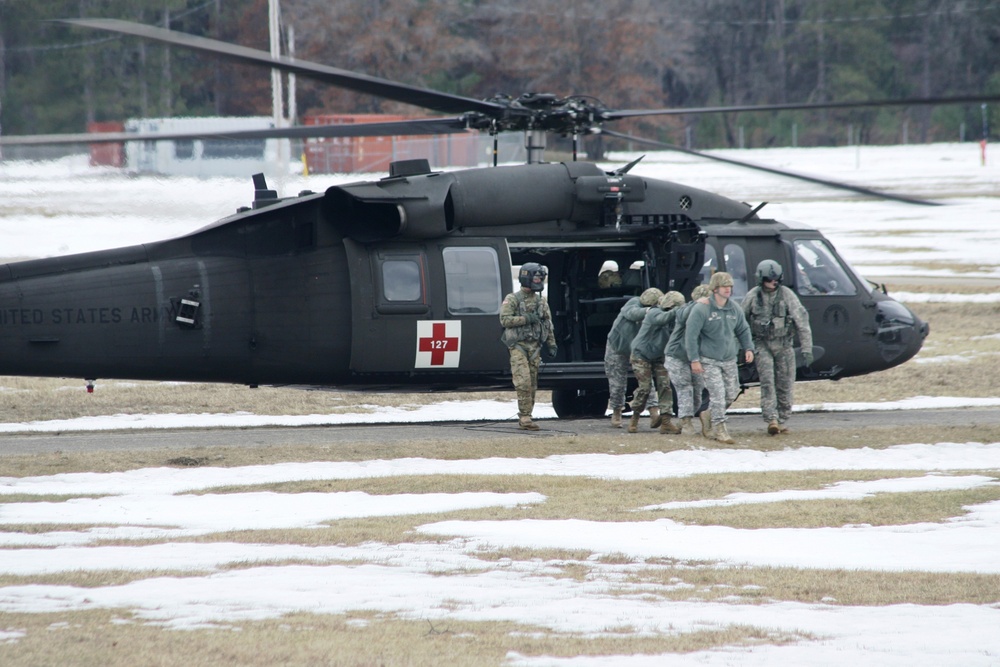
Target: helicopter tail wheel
{"x":580,"y":403}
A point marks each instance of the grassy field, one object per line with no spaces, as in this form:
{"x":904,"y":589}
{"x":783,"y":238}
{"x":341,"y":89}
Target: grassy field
{"x":963,"y":336}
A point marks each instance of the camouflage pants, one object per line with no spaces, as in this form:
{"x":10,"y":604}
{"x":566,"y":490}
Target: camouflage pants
{"x":616,"y":367}
{"x":687,"y":386}
{"x":776,"y":367}
{"x":722,"y":379}
{"x":524,"y":359}
{"x":649,"y":374}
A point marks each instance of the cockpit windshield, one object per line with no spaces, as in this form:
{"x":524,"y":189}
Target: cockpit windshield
{"x":818,"y":271}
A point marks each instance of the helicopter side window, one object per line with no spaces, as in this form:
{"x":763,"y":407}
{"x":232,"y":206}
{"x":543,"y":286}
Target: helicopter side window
{"x":184,"y":149}
{"x":819,"y":271}
{"x":736,"y":266}
{"x":402,"y":280}
{"x":221,"y":149}
{"x":472,"y":276}
{"x":710,"y":266}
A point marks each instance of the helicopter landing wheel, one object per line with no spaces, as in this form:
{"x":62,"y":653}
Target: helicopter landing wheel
{"x":580,"y":403}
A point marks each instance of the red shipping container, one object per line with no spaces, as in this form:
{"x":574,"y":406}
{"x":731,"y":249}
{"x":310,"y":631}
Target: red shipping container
{"x":373,"y":154}
{"x":107,"y":155}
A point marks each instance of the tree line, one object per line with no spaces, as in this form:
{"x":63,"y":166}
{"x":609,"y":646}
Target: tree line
{"x":627,"y":53}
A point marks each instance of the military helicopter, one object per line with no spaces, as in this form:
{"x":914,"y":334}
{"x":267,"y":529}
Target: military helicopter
{"x":396,"y":283}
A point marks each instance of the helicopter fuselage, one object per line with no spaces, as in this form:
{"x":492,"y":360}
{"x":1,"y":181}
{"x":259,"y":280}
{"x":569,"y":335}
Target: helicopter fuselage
{"x":396,"y":285}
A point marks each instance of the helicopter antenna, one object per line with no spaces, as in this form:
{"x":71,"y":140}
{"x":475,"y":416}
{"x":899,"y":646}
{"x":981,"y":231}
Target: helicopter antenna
{"x":752,"y":213}
{"x":620,"y":171}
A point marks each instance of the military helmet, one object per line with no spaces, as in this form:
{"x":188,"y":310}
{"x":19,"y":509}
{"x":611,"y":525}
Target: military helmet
{"x":699,"y":292}
{"x":670,"y":300}
{"x":532,"y":276}
{"x":650,"y":297}
{"x":609,"y":279}
{"x":768,"y":270}
{"x":720,"y":279}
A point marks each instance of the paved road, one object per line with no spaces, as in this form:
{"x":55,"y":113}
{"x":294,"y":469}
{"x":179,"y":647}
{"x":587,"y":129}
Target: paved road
{"x":353,"y":434}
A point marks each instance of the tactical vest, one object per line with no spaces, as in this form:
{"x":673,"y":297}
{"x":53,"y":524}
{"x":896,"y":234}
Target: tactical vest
{"x":540,"y":331}
{"x":770,"y":323}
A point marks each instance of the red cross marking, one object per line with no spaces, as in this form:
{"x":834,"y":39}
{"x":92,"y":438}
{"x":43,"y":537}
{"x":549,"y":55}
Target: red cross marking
{"x":438,"y":343}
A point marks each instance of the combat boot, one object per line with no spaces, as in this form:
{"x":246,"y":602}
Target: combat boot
{"x":706,"y":423}
{"x":722,"y":435}
{"x":773,"y":428}
{"x":633,"y":422}
{"x":616,"y":418}
{"x":686,"y":426}
{"x":526,"y":424}
{"x":668,"y":427}
{"x":654,"y":418}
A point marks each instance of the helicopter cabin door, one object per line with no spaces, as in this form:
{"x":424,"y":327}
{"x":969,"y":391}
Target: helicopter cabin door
{"x":427,"y":309}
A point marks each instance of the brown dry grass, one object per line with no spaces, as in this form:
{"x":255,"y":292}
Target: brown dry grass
{"x":355,"y":639}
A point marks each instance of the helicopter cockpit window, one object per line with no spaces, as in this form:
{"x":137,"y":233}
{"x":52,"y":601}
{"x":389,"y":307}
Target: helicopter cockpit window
{"x":736,"y":266}
{"x":472,"y":276}
{"x":819,"y":271}
{"x":402,"y":280}
{"x":711,"y":264}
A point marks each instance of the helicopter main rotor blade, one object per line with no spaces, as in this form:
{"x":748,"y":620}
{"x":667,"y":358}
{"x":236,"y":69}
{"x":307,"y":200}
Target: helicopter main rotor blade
{"x":361,"y":83}
{"x":815,"y":106}
{"x":425,"y":126}
{"x":771,"y":170}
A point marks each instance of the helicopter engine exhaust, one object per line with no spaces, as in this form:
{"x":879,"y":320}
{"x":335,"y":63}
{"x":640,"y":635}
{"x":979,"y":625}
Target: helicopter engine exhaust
{"x":497,"y":196}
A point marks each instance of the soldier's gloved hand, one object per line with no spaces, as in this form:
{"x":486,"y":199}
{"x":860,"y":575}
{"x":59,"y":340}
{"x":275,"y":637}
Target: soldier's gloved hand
{"x":532,"y":318}
{"x":807,"y":357}
{"x":551,"y":351}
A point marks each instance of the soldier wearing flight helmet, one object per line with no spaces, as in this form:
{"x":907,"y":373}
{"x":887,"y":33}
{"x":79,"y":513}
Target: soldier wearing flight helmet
{"x":527,"y":323}
{"x":776,"y":315}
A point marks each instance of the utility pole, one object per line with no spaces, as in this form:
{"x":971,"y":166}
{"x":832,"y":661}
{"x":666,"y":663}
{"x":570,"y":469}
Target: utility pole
{"x":277,"y":92}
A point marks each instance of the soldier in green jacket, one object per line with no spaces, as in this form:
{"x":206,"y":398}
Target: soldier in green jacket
{"x":687,"y":386}
{"x":618,"y":349}
{"x":647,"y":361}
{"x":713,"y":330}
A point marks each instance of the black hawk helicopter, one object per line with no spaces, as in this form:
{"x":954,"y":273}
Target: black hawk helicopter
{"x":396,"y":284}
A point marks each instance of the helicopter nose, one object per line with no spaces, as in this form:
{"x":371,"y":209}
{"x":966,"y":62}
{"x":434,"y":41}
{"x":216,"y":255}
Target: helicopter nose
{"x":900,"y":333}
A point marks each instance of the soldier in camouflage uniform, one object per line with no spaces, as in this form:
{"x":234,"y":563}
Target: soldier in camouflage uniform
{"x":647,"y":361}
{"x":527,"y":323}
{"x":713,"y":330}
{"x":619,"y":348}
{"x":687,"y":385}
{"x":776,"y":315}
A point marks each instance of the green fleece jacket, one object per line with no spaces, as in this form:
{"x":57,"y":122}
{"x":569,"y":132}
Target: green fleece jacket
{"x":675,"y":346}
{"x":626,"y":326}
{"x":654,"y":333}
{"x":716,"y":333}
